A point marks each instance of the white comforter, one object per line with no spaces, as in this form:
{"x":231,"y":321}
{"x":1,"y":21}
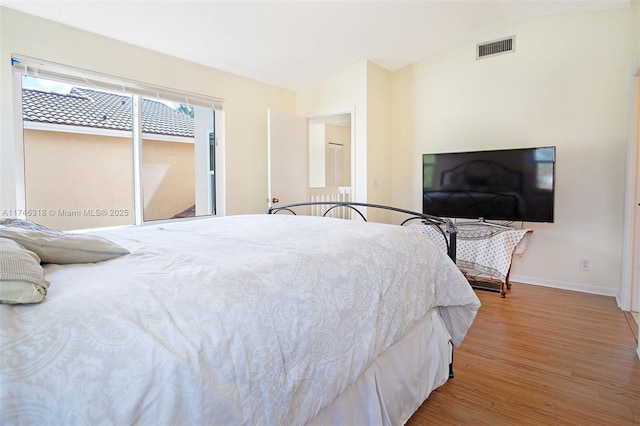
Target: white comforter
{"x":259,"y":319}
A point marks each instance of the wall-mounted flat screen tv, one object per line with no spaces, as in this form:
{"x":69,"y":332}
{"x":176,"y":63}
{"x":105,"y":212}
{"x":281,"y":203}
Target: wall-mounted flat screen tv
{"x":505,"y":184}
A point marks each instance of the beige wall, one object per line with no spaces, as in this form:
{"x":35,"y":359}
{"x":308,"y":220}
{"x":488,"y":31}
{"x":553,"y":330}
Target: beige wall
{"x":76,"y":181}
{"x":380,"y":150}
{"x":71,"y":178}
{"x":168,"y":178}
{"x":634,"y":18}
{"x":339,"y":135}
{"x":317,"y":154}
{"x":568,"y":84}
{"x":246,"y":101}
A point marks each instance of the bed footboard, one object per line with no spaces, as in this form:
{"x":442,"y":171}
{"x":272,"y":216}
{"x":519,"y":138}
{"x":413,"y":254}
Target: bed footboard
{"x":357,"y":211}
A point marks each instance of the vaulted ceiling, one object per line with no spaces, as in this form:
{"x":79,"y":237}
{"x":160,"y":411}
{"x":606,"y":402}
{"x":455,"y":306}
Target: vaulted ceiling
{"x":291,"y":44}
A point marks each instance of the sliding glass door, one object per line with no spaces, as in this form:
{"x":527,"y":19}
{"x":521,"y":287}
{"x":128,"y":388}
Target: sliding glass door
{"x":94,"y":157}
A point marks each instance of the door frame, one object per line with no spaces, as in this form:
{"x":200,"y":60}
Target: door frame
{"x":630,"y":282}
{"x":631,"y":203}
{"x":340,"y":111}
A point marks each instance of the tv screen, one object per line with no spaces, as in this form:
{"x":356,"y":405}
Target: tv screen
{"x":506,"y":184}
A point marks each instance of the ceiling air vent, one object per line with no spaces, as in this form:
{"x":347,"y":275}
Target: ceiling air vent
{"x":496,"y":47}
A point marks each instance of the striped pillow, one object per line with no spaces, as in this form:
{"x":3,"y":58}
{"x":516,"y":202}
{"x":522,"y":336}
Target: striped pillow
{"x":53,"y":246}
{"x":21,"y":276}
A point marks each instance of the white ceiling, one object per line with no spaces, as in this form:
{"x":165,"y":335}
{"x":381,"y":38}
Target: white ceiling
{"x":291,"y":44}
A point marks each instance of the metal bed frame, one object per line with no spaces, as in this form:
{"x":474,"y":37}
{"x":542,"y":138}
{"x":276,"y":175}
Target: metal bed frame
{"x":444,"y":226}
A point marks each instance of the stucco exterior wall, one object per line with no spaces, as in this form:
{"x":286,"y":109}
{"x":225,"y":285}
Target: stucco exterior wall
{"x":93,"y":179}
{"x":168,"y":178}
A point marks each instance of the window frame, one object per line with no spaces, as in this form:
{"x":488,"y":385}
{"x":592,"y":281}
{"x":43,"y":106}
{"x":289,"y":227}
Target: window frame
{"x":22,"y":66}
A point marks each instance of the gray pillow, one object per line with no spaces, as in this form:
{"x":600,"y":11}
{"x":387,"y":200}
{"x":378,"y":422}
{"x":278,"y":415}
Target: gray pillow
{"x":53,"y":246}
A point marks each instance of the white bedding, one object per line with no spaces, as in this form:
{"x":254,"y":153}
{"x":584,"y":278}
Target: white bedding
{"x":257,"y":319}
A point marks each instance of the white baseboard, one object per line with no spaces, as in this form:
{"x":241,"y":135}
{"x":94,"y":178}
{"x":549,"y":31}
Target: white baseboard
{"x":564,"y":285}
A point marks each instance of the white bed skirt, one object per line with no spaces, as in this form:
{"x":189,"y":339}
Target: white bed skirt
{"x":398,"y":381}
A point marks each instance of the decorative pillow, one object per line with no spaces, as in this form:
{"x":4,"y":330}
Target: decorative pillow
{"x":55,"y":246}
{"x":21,"y":276}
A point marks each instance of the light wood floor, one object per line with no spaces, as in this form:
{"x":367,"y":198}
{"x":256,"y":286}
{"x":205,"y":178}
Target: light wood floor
{"x":541,"y":356}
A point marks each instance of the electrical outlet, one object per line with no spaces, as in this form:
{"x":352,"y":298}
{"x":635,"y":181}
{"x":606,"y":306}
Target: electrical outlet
{"x":585,"y":264}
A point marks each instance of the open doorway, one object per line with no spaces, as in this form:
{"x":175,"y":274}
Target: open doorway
{"x":330,"y":157}
{"x":310,"y":158}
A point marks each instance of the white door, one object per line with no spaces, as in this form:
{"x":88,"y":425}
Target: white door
{"x":288,"y":170}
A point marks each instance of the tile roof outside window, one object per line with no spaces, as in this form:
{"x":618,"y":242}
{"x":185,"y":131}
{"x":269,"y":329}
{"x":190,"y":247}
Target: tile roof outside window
{"x":103,"y":110}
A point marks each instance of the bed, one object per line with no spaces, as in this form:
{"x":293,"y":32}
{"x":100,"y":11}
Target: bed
{"x":251,"y":319}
